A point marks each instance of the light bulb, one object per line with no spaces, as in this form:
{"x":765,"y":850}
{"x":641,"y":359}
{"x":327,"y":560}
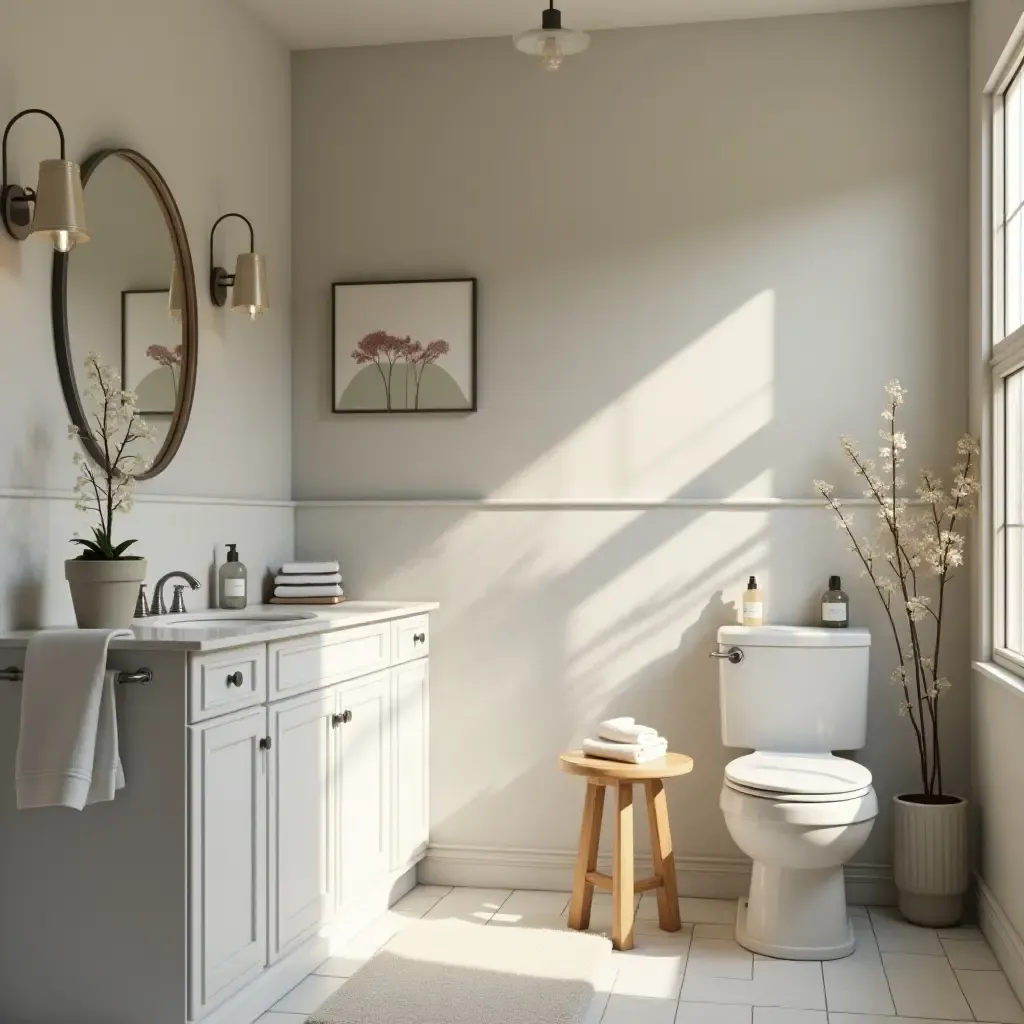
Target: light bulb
{"x":551,"y":54}
{"x":62,"y":241}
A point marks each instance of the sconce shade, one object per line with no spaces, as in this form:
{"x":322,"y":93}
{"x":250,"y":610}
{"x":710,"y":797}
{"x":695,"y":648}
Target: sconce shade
{"x":60,"y":205}
{"x":249,"y":294}
{"x":176,"y":298}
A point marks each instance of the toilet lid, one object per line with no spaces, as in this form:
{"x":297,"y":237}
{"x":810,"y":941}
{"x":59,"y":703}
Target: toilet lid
{"x":804,"y":774}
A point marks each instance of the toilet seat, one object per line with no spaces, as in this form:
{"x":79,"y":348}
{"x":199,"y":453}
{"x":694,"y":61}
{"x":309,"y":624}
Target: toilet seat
{"x":803,"y":778}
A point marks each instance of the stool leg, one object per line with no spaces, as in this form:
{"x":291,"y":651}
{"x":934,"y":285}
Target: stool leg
{"x":664,"y":858}
{"x":623,"y":893}
{"x":586,"y":859}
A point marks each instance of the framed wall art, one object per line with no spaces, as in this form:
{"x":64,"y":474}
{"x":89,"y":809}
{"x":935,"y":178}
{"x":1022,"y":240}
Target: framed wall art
{"x":404,"y":346}
{"x":150,"y":351}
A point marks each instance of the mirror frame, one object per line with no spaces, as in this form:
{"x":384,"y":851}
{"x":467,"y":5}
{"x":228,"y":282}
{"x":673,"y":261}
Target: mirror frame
{"x":189,"y":320}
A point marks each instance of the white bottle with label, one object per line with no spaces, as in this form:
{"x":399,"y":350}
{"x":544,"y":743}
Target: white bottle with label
{"x":753,"y":604}
{"x":232,"y":581}
{"x":835,"y":605}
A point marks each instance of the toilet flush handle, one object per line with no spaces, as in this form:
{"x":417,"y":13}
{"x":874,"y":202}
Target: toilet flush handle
{"x":734,"y":655}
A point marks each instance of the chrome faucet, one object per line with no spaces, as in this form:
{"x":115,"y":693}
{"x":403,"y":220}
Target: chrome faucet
{"x":178,"y":604}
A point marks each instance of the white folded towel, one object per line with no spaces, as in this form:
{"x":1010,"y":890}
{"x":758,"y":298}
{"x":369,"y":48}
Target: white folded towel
{"x":312,"y":579}
{"x":302,"y":568}
{"x":67,"y":744}
{"x":625,"y":730}
{"x":630,"y":753}
{"x":333,"y":590}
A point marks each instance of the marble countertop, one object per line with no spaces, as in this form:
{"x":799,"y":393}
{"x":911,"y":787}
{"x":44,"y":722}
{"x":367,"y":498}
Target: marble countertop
{"x":214,"y":630}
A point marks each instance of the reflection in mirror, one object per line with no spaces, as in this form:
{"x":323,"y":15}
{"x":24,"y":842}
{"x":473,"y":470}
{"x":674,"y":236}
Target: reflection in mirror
{"x":129,"y":297}
{"x":118,"y":292}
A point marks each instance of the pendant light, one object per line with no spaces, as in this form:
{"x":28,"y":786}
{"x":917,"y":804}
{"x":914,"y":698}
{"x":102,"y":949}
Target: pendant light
{"x":551,"y":42}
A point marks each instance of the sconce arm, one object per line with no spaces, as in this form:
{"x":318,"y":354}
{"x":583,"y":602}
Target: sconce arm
{"x":252,"y":234}
{"x":14,"y":120}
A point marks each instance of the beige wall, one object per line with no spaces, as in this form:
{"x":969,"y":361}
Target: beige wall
{"x":203,"y":91}
{"x":998,"y":698}
{"x":702,"y":251}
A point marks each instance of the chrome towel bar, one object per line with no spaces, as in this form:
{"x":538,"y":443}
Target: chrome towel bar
{"x":143,"y":676}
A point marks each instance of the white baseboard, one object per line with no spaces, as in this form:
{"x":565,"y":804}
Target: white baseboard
{"x":724,"y":878}
{"x":1005,"y":940}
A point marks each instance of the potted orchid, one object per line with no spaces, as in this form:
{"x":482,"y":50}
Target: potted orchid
{"x":920,"y":546}
{"x":104,"y":578}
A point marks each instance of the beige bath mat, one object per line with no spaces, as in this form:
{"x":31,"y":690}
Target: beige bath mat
{"x":455,"y":972}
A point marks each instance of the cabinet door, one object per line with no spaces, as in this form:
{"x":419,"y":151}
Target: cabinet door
{"x":302,"y":800}
{"x":364,"y":808}
{"x":410,"y":758}
{"x":228,"y":856}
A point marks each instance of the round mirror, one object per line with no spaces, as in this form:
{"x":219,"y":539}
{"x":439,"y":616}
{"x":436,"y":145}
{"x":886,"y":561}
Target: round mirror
{"x":129,"y":296}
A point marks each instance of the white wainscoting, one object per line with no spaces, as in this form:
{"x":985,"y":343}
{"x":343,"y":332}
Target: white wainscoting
{"x":174,"y":532}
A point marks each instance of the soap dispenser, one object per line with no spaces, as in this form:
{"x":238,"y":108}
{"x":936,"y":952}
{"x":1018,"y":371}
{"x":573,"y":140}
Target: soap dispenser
{"x":232,"y":580}
{"x":835,"y":605}
{"x":753,"y":604}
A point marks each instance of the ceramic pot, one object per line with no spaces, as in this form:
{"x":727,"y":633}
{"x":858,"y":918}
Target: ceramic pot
{"x":104,"y":593}
{"x":930,"y":861}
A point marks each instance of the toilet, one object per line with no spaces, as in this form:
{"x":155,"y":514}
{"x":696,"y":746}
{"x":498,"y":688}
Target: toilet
{"x":793,"y":695}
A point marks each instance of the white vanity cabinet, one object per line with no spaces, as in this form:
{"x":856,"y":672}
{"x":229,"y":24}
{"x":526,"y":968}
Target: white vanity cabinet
{"x":303,"y":804}
{"x":275,"y":803}
{"x":228,"y":855}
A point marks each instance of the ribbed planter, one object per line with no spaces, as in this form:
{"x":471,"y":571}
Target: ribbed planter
{"x":930,"y":861}
{"x":104,"y":593}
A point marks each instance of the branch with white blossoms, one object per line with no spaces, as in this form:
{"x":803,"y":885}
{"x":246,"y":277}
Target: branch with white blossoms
{"x":107,"y":486}
{"x":911,"y":542}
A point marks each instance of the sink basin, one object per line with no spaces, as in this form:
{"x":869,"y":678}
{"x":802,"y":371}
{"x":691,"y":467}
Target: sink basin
{"x":216,"y":623}
{"x":223,"y":617}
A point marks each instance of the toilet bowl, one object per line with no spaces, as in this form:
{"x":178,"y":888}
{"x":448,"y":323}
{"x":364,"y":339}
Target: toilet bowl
{"x":800,"y":818}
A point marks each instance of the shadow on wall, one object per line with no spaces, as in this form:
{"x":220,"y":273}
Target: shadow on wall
{"x":27,"y":527}
{"x":552,"y":619}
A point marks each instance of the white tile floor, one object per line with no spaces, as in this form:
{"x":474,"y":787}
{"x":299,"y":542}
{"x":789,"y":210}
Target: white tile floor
{"x":700,"y":975}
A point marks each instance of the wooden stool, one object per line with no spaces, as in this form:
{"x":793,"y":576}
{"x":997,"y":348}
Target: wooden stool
{"x":621,"y":777}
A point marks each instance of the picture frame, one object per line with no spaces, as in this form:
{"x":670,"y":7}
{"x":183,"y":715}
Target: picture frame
{"x":150,"y":350}
{"x":406,"y":346}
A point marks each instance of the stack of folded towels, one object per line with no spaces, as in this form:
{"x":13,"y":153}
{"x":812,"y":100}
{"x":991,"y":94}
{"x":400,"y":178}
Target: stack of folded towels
{"x":621,"y":739}
{"x":308,"y":583}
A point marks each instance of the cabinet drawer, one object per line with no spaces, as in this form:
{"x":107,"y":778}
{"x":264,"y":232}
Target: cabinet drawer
{"x":307,"y":663}
{"x":226,"y":681}
{"x":410,"y":638}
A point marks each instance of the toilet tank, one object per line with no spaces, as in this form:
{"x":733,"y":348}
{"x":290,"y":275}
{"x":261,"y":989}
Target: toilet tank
{"x":798,"y":689}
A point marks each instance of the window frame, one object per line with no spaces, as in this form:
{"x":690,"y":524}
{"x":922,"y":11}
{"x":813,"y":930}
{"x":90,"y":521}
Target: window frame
{"x":1007,"y":359}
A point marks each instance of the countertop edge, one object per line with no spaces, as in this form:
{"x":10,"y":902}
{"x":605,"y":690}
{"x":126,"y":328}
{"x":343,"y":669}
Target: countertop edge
{"x":350,"y":615}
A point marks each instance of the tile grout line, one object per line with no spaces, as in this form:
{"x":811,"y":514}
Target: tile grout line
{"x":494,"y":913}
{"x":881,"y":960}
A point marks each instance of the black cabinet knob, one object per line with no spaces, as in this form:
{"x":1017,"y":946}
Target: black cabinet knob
{"x":336,"y":720}
{"x":235,"y":679}
{"x":419,"y":638}
{"x":265,"y":743}
{"x":347,"y":716}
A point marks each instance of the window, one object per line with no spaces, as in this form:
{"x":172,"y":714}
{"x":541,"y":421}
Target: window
{"x":1008,"y":368}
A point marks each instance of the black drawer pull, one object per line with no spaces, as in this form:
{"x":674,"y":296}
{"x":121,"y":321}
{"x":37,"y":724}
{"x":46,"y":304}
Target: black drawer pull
{"x":336,"y":720}
{"x":235,"y":679}
{"x":346,"y":716}
{"x":419,"y":638}
{"x":265,"y":743}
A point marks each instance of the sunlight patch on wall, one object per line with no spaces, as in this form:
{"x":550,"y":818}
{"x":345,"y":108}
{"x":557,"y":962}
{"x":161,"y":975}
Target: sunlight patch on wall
{"x":638,"y":615}
{"x":682,"y":426}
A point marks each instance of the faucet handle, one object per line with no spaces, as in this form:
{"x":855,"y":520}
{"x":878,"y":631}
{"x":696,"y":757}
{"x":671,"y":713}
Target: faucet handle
{"x":178,"y":602}
{"x":142,"y":603}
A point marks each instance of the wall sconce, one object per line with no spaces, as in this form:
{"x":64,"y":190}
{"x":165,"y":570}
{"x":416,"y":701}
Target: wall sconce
{"x":59,"y":215}
{"x":248,"y":282}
